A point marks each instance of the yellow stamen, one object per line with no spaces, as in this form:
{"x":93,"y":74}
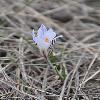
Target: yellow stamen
{"x":46,"y":40}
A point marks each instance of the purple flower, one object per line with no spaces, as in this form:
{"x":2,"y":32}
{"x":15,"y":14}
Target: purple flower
{"x":44,"y":39}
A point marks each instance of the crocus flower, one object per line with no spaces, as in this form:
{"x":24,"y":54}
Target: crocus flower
{"x":44,"y":39}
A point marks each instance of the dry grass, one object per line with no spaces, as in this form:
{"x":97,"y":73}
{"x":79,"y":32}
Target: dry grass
{"x":25,"y":75}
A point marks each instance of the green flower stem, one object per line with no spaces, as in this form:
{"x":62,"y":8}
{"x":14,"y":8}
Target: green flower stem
{"x":54,"y":68}
{"x":50,"y":64}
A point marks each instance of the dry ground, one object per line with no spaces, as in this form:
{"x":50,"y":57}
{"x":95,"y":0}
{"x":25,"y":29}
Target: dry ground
{"x":23,"y":71}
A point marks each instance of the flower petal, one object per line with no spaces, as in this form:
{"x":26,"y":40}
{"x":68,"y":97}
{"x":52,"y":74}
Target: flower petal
{"x":42,"y":44}
{"x":35,"y":39}
{"x":50,"y":34}
{"x":33,"y":34}
{"x":42,"y":31}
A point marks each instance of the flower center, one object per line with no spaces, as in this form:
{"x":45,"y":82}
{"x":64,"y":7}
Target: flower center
{"x":46,"y":40}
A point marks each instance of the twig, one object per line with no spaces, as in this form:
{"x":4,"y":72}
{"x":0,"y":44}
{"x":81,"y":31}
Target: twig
{"x":74,"y":71}
{"x":89,"y":68}
{"x":21,"y":61}
{"x":92,"y":76}
{"x":77,"y":85}
{"x":44,"y":82}
{"x":13,"y":87}
{"x":64,"y":85}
